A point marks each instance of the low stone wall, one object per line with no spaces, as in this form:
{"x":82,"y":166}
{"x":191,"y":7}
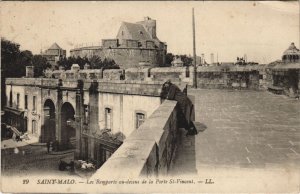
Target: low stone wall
{"x":245,"y":77}
{"x":32,"y":81}
{"x":234,"y":77}
{"x":137,"y":74}
{"x":149,"y":150}
{"x":113,"y":74}
{"x":132,"y":87}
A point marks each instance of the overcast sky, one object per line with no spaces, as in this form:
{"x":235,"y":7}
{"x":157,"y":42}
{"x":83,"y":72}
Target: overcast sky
{"x":262,"y":30}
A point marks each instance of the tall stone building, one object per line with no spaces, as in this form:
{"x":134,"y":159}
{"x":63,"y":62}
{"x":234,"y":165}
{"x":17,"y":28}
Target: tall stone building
{"x":53,"y":54}
{"x":135,"y":45}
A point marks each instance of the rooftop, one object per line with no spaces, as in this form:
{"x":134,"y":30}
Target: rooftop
{"x":137,"y":31}
{"x":292,"y":50}
{"x":55,"y":46}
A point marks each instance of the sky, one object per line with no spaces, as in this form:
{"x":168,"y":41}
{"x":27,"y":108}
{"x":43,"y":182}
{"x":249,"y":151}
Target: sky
{"x":262,"y":30}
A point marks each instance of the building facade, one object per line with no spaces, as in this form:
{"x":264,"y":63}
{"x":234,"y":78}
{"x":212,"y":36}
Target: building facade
{"x":53,"y":54}
{"x":91,"y":116}
{"x":136,"y":45}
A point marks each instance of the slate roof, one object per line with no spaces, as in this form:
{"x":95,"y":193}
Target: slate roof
{"x":55,"y":46}
{"x":137,"y":31}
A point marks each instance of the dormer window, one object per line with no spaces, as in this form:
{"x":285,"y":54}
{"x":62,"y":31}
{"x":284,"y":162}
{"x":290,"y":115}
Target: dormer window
{"x":140,"y":32}
{"x":122,"y":33}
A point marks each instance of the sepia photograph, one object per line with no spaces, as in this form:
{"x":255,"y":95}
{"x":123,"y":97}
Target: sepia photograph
{"x":150,"y":96}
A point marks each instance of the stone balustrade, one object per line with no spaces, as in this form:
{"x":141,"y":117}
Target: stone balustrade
{"x":149,"y":150}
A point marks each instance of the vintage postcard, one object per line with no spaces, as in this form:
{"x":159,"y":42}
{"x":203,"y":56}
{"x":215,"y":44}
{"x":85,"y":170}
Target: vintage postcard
{"x":150,"y":97}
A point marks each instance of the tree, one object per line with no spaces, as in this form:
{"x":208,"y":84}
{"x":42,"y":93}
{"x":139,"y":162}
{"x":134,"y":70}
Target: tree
{"x":187,"y":61}
{"x":40,"y":64}
{"x":10,"y":52}
{"x":95,"y":62}
{"x":25,"y":58}
{"x":109,"y":64}
{"x":169,"y":59}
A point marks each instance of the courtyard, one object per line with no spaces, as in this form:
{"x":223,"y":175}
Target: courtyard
{"x":241,"y":130}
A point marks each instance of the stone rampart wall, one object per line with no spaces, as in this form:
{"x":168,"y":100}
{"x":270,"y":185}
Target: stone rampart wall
{"x":149,"y":150}
{"x":124,"y":57}
{"x":241,"y":77}
{"x":207,"y":77}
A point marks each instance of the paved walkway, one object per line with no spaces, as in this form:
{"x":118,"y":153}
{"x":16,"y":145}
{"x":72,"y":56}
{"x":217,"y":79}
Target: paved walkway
{"x":242,"y":129}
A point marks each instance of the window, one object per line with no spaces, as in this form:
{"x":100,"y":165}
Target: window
{"x":105,"y":154}
{"x":108,"y":118}
{"x":33,"y":127}
{"x":10,"y":98}
{"x":140,"y":119}
{"x":33,"y":103}
{"x":86,"y":114}
{"x":26,"y":102}
{"x":18,"y":100}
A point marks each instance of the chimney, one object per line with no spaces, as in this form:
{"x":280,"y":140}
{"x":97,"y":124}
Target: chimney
{"x":202,"y":57}
{"x":212,"y":60}
{"x":29,"y":71}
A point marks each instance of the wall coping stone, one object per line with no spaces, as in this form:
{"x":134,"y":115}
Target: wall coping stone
{"x":168,"y":69}
{"x":128,"y":161}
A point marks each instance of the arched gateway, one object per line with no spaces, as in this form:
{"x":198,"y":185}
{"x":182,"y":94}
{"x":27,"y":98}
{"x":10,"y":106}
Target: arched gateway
{"x":68,"y":131}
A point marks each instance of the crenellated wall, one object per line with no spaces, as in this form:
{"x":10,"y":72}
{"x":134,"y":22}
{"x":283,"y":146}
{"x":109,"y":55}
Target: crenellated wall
{"x":207,"y":77}
{"x":240,"y":77}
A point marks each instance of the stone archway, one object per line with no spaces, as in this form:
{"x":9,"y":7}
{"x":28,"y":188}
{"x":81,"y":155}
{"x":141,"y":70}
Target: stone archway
{"x":68,"y":131}
{"x":49,"y":126}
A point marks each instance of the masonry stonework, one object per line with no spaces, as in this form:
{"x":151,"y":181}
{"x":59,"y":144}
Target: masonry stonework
{"x":136,"y":45}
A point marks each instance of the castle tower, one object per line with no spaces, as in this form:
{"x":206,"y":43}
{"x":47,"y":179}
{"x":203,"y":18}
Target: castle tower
{"x":150,"y":25}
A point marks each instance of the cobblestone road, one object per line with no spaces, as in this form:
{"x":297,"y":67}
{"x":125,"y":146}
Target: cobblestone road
{"x":35,"y":160}
{"x":242,"y":129}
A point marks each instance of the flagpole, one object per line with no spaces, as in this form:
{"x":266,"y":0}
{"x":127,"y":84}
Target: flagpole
{"x":194,"y":53}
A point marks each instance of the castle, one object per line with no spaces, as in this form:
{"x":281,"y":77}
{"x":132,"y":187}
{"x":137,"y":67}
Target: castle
{"x":136,"y":45}
{"x":53,"y":54}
